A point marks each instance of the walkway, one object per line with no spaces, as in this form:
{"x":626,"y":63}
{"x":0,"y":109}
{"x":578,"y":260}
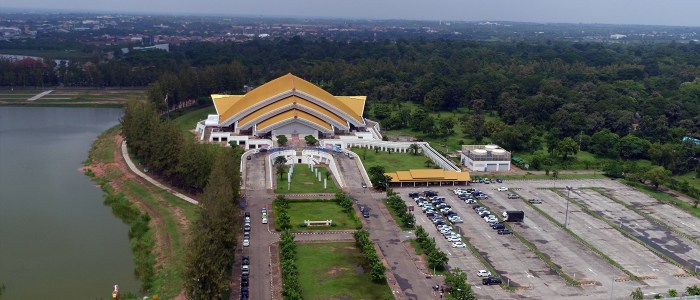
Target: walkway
{"x":38,"y":96}
{"x":133,"y":168}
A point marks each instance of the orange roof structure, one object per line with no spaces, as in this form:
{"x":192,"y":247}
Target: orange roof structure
{"x":289,"y":93}
{"x":428,"y":175}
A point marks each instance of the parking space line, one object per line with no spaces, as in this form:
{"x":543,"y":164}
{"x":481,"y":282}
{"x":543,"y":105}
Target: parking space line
{"x":589,"y":269}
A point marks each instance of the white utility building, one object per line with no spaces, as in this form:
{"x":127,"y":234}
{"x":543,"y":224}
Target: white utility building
{"x":487,"y":158}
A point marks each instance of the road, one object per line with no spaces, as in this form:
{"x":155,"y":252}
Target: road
{"x":386,"y":234}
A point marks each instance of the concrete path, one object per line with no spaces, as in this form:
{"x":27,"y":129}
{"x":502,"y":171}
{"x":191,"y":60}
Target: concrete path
{"x":38,"y":96}
{"x":133,"y":168}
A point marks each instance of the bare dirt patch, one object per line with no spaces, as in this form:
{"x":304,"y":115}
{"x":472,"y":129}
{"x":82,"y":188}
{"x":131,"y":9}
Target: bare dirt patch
{"x":335,"y":270}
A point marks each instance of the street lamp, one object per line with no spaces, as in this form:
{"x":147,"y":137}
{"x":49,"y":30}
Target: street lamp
{"x":568,"y":199}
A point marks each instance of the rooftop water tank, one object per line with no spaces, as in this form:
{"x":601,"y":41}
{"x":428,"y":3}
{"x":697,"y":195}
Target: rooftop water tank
{"x":498,"y":152}
{"x":479,"y":152}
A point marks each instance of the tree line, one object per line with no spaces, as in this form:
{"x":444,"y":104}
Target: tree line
{"x":214,"y":171}
{"x":164,"y":150}
{"x":210,"y":253}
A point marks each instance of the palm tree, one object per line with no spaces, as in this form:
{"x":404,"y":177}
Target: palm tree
{"x":414,"y":148}
{"x":280,"y":160}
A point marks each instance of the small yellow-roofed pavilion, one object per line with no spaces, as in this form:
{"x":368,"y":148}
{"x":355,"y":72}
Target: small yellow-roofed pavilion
{"x":427,"y":177}
{"x":289,"y":105}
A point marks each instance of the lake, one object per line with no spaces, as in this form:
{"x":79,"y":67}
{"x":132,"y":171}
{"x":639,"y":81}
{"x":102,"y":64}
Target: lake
{"x":57,"y":239}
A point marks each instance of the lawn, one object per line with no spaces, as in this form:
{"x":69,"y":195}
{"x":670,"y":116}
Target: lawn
{"x":335,"y":271}
{"x":321,"y":210}
{"x":188,"y":121}
{"x":304,"y":181}
{"x":391,"y":161}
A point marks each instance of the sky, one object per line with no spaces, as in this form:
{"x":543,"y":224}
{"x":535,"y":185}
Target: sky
{"x":651,"y":12}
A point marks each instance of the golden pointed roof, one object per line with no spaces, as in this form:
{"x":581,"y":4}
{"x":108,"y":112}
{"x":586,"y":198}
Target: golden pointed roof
{"x":229,"y":106}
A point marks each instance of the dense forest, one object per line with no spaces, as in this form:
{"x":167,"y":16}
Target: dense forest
{"x":614,"y":100}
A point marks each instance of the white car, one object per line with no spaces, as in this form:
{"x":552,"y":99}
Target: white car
{"x":483,"y":273}
{"x":502,"y":189}
{"x":264,"y":220}
{"x":453,"y":239}
{"x":459,"y":245}
{"x":247,"y":219}
{"x":490,"y":219}
{"x":246,"y":242}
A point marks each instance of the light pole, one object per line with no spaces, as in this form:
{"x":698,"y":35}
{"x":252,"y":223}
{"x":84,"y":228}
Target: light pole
{"x":568,"y":199}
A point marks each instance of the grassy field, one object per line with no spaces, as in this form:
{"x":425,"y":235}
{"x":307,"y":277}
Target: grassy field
{"x":335,"y":271}
{"x":168,"y":214}
{"x":188,"y":121}
{"x":73,"y":97}
{"x":303,"y":181}
{"x":391,"y":162}
{"x":319,"y":211}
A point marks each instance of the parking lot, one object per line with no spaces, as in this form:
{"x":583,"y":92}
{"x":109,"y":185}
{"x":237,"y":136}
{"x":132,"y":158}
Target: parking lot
{"x":532,"y":277}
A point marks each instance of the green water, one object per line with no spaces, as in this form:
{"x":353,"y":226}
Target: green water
{"x":57,"y":239}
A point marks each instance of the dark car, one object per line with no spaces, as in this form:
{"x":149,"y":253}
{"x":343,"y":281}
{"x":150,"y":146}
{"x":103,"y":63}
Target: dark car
{"x":499,"y":180}
{"x":244,"y":291}
{"x":414,"y":194}
{"x":249,"y":157}
{"x":365,"y":214}
{"x":364,"y":185}
{"x":246,"y":227}
{"x":246,"y":260}
{"x":498,"y":226}
{"x":247,"y":214}
{"x":504,"y":231}
{"x":245,"y":282}
{"x":263,"y":150}
{"x":475,"y":206}
{"x":491,"y":281}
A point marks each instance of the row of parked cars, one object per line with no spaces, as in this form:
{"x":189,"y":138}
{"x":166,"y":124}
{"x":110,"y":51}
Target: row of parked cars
{"x":441,"y":214}
{"x":469,"y":196}
{"x":245,"y":263}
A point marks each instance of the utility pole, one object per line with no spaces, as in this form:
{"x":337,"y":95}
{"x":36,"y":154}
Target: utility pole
{"x":568,"y":199}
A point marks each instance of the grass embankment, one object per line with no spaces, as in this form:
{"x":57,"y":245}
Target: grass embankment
{"x":319,"y":210}
{"x":334,"y":271}
{"x":391,"y":161}
{"x":157,"y":237}
{"x":624,"y":232}
{"x":304,"y":181}
{"x":581,"y":240}
{"x":189,"y":120}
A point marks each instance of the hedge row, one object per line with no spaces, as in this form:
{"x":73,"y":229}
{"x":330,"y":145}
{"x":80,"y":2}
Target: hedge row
{"x":395,"y":203}
{"x":376,"y":267}
{"x":436,"y":258}
{"x":291,"y":289}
